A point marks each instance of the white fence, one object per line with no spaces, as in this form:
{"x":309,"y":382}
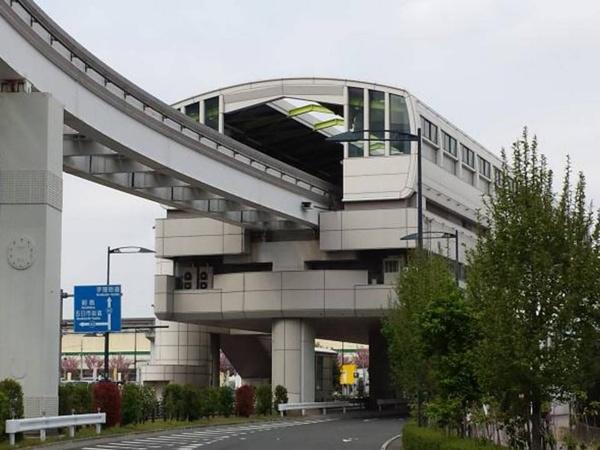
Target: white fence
{"x":45,"y":423}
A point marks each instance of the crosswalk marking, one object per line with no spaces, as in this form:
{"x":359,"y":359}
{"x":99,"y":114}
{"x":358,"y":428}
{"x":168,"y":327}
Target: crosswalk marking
{"x":192,"y":439}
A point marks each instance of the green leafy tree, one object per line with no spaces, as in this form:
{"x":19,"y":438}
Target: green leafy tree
{"x":425,"y":279}
{"x":534,"y":282}
{"x":447,"y":331}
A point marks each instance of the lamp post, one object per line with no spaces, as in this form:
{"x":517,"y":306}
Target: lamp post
{"x":110,"y":251}
{"x":440,"y":235}
{"x":394,"y":136}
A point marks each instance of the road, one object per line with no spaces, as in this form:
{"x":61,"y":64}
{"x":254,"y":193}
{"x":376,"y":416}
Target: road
{"x":353,"y":431}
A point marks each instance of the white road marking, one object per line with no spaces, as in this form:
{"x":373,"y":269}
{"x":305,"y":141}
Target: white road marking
{"x":194,"y":439}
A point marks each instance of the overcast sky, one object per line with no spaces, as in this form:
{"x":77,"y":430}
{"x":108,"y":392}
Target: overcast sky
{"x":489,"y":66}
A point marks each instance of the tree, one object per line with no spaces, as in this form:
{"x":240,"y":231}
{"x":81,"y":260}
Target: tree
{"x":425,"y":279}
{"x":448,"y":330}
{"x":225,"y":365}
{"x":361,"y":358}
{"x":70,"y":364}
{"x":93,"y":362}
{"x":120,"y":363}
{"x":534,"y":282}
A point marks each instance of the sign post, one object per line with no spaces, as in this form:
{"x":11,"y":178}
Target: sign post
{"x":97,"y":310}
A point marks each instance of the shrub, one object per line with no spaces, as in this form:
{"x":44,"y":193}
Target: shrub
{"x":280,"y":396}
{"x":4,"y":411}
{"x":423,"y":438}
{"x":244,"y":401}
{"x":209,"y":402}
{"x":264,"y":400}
{"x":225,"y":401}
{"x":131,"y":404}
{"x":75,"y":397}
{"x":107,"y":398}
{"x":192,"y":402}
{"x":173,"y":405}
{"x":149,"y":403}
{"x":13,"y":392}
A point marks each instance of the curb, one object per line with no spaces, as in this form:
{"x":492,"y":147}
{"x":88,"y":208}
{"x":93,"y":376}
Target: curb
{"x":387,"y":443}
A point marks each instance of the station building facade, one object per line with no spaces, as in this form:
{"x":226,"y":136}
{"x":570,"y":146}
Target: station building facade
{"x":264,"y":295}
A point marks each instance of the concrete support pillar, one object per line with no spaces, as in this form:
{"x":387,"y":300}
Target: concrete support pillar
{"x":293,"y":358}
{"x":31,"y":128}
{"x":380,"y":382}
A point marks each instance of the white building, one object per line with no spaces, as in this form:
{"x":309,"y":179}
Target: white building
{"x":263,"y":292}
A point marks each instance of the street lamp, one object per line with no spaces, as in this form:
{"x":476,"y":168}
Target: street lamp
{"x":441,"y":235}
{"x":109,"y":251}
{"x":394,"y":136}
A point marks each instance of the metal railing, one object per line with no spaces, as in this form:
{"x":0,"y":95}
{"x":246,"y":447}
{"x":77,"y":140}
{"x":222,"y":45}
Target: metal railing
{"x":323,"y":406}
{"x":44,"y":423}
{"x":112,"y":87}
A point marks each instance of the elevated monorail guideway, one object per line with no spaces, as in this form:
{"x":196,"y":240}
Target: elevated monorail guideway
{"x":120,"y":136}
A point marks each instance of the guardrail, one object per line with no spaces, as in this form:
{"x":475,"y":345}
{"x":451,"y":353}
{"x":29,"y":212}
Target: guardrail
{"x":45,"y":423}
{"x":112,"y":87}
{"x":324,"y":406}
{"x":381,"y":402}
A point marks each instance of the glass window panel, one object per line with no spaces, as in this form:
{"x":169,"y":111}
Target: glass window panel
{"x":484,"y":167}
{"x":468,"y":157}
{"x":193,"y":111}
{"x":449,"y":143}
{"x":376,"y":122}
{"x":211,"y":112}
{"x":399,"y":122}
{"x":429,"y":130}
{"x":356,"y":117}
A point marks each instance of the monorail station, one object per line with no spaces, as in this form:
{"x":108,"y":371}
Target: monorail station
{"x":275,"y":235}
{"x":270,"y":289}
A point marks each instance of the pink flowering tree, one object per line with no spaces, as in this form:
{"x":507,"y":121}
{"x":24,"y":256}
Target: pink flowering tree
{"x":69,"y":364}
{"x":361,"y":359}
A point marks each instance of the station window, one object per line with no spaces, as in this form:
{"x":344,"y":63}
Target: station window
{"x":468,"y":156}
{"x":449,"y":144}
{"x":211,"y":112}
{"x":485,"y":168}
{"x":429,"y":130}
{"x":376,"y":123}
{"x":193,"y":111}
{"x":356,"y":117}
{"x":497,"y":176}
{"x":399,"y":122}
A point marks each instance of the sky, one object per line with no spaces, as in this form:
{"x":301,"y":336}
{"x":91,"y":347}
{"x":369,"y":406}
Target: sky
{"x":489,"y":66}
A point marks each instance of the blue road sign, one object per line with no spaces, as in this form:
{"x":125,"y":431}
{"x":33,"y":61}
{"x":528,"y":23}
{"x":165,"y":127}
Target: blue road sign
{"x":97,"y":309}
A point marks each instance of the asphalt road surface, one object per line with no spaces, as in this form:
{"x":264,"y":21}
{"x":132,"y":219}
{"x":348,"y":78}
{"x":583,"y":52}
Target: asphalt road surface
{"x":352,"y":431}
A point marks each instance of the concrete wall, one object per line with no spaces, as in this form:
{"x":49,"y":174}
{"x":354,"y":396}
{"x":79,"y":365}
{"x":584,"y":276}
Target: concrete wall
{"x":197,"y":236}
{"x":311,"y":293}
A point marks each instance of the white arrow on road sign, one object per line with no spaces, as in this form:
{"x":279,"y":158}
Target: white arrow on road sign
{"x":109,"y":311}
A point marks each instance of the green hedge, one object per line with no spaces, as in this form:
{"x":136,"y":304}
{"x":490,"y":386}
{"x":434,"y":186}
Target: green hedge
{"x":75,"y":398}
{"x":423,"y":438}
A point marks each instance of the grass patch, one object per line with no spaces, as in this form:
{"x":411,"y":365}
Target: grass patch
{"x":147,"y":427}
{"x":424,"y":438}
